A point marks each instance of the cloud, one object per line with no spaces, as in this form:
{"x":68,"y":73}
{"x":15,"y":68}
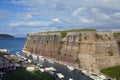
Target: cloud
{"x":18,"y":2}
{"x":35,"y":23}
{"x":57,"y":20}
{"x":78,"y":10}
{"x":100,"y":14}
{"x":23,"y":16}
{"x":30,"y":24}
{"x":85,"y":20}
{"x":117,"y":15}
{"x":116,"y":30}
{"x":108,"y":4}
{"x":68,"y":14}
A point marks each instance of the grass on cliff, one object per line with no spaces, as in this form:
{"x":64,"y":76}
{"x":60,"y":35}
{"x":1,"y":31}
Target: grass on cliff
{"x":22,"y":74}
{"x":117,"y":34}
{"x":63,"y":34}
{"x":74,"y":30}
{"x":77,"y":30}
{"x":113,"y":72}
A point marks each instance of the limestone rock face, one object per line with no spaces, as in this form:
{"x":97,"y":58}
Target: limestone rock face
{"x":91,"y":50}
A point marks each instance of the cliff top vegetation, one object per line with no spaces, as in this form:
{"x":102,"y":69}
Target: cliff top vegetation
{"x":74,"y":30}
{"x":117,"y":34}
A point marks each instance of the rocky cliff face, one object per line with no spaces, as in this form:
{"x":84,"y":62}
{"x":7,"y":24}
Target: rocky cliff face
{"x":91,"y":50}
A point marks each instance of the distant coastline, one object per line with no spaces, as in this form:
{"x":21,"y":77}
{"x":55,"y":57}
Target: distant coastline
{"x":6,"y":36}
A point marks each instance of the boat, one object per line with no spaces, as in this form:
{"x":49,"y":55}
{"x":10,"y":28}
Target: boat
{"x":4,"y":51}
{"x":41,"y":58}
{"x":70,"y":67}
{"x":30,"y":68}
{"x":41,"y":69}
{"x":18,"y":54}
{"x":50,"y":69}
{"x":60,"y":76}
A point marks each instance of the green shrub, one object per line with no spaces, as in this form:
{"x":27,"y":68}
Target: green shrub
{"x":117,"y":34}
{"x":113,"y":72}
{"x":22,"y":74}
{"x":63,"y":34}
{"x":98,"y":36}
{"x":110,"y":53}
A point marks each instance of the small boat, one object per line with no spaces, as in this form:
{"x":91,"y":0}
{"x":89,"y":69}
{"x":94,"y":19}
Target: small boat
{"x":41,"y":58}
{"x":30,"y":68}
{"x":5,"y":51}
{"x":60,"y":76}
{"x":29,"y":60}
{"x":50,"y":69}
{"x":18,"y":54}
{"x":41,"y":69}
{"x":70,"y":67}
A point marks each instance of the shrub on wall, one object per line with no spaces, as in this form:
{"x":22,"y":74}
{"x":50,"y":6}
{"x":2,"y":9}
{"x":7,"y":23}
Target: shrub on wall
{"x":117,"y":34}
{"x":98,"y":36}
{"x":110,"y":53}
{"x":63,"y":34}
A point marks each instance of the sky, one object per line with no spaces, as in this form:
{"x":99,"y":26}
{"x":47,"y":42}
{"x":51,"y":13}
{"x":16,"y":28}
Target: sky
{"x":20,"y":17}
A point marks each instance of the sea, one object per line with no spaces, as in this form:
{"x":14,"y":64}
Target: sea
{"x":13,"y":44}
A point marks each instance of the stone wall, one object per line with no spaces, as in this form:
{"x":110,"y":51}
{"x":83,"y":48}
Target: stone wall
{"x":91,"y":50}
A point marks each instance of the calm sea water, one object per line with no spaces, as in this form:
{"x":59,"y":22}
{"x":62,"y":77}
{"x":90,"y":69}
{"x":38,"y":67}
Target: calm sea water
{"x":12,"y":44}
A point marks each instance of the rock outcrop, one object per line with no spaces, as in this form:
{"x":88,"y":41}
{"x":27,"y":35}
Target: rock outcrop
{"x":90,"y":50}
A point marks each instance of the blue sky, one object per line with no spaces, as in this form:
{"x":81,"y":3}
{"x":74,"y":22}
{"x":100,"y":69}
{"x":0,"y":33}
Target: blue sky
{"x":19,"y":17}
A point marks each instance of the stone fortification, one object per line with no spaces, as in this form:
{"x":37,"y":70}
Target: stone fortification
{"x":91,"y":50}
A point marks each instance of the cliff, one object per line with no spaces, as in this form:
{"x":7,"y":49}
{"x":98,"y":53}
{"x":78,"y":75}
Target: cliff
{"x":91,"y":50}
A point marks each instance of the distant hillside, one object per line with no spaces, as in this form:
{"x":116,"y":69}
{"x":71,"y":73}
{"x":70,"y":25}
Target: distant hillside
{"x":6,"y":36}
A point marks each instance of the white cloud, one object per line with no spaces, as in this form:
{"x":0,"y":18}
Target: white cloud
{"x":30,"y":24}
{"x":85,"y":20}
{"x":15,"y":24}
{"x":104,"y":16}
{"x":68,"y":13}
{"x":27,"y":17}
{"x":19,"y":1}
{"x":117,"y":15}
{"x":35,"y":23}
{"x":78,"y":10}
{"x":116,"y":30}
{"x":56,"y":20}
{"x":100,"y":14}
{"x":24,"y":16}
{"x":67,"y":20}
{"x":94,"y":10}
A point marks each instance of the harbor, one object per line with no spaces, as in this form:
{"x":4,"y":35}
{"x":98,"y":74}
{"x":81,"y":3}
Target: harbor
{"x":60,"y":71}
{"x":67,"y":71}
